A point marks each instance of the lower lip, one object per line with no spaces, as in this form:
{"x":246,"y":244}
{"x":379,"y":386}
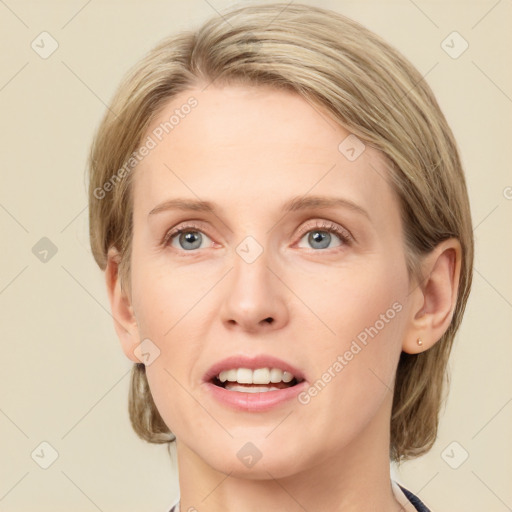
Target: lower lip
{"x":255,"y":402}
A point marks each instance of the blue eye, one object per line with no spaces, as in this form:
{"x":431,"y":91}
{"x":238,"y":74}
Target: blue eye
{"x":319,"y":236}
{"x":322,"y":235}
{"x":189,"y":238}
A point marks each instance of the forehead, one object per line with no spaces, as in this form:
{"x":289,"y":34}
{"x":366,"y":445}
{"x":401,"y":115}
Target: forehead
{"x":239,"y":144}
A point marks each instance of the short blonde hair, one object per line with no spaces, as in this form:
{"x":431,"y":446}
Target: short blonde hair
{"x":369,"y":88}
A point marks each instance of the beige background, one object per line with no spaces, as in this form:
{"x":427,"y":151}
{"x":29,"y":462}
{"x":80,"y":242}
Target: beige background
{"x":64,"y":379}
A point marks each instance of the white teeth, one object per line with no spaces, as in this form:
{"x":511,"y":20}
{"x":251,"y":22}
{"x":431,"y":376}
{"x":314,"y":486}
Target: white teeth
{"x":258,"y":376}
{"x":227,"y":375}
{"x":276,"y":375}
{"x":287,"y":377}
{"x":261,"y":376}
{"x":244,"y":376}
{"x":253,"y":389}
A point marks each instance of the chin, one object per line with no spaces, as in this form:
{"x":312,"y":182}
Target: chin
{"x":261,"y":459}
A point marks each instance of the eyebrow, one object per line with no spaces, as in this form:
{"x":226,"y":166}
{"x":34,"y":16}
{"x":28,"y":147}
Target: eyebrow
{"x":292,"y":205}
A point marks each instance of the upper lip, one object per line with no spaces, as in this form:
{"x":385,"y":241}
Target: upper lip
{"x":254,"y":362}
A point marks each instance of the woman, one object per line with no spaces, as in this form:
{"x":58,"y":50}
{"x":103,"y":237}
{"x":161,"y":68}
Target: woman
{"x":280,"y":210}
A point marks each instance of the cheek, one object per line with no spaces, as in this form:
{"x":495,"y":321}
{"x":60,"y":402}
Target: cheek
{"x":359,"y":336}
{"x":162,"y":296}
{"x":346,"y":302}
{"x":170,"y":313}
{"x":183,"y":414}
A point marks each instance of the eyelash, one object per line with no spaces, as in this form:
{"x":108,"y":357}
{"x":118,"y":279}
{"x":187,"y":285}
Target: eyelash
{"x":175,"y":232}
{"x":327,"y":226}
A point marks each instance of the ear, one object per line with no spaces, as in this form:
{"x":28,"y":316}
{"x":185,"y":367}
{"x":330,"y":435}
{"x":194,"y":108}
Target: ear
{"x":122,"y":311}
{"x":433,"y":300}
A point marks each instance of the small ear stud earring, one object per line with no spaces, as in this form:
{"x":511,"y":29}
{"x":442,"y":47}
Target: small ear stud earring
{"x":419,"y":342}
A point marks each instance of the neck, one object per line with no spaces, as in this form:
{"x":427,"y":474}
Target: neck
{"x":354,"y":478}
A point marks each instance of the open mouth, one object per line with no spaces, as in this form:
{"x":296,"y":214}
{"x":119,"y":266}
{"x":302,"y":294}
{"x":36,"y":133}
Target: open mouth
{"x":260,"y":381}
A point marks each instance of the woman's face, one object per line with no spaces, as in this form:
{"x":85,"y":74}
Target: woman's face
{"x":322,"y":289}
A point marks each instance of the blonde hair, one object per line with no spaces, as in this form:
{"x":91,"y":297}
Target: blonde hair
{"x":369,"y":88}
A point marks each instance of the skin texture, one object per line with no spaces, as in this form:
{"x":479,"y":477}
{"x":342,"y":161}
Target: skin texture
{"x":249,"y":150}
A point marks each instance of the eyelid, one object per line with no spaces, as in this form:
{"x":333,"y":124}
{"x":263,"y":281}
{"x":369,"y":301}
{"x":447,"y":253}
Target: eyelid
{"x":329,"y":226}
{"x":182,"y":226}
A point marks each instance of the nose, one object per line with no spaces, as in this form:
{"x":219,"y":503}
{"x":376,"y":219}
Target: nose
{"x":255,"y":297}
